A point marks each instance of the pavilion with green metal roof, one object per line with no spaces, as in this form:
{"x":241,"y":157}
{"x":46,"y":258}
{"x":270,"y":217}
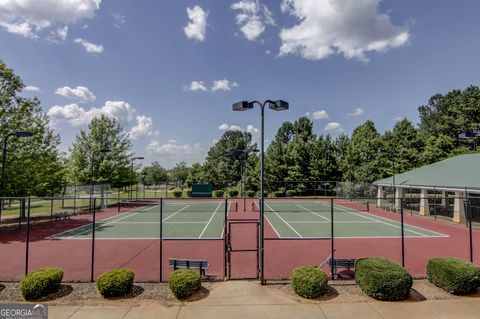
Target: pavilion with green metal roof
{"x":459,"y":175}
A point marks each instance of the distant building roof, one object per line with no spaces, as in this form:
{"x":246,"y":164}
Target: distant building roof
{"x":456,"y":173}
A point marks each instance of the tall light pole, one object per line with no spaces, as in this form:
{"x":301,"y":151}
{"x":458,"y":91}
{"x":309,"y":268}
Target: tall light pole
{"x":131,"y":186}
{"x":243,"y":162}
{"x":92,"y":189}
{"x":278,"y":105}
{"x":4,"y":159}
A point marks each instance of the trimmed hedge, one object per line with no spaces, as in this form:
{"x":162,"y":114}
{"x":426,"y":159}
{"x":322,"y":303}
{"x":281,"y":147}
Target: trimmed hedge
{"x":382,"y":279}
{"x":250,"y":193}
{"x":291,"y":193}
{"x":309,"y":281}
{"x":233,"y":193}
{"x":115,"y":283}
{"x":453,"y":275}
{"x":189,"y":193}
{"x":177,"y":193}
{"x":41,"y":282}
{"x":218,"y":193}
{"x":184,"y":282}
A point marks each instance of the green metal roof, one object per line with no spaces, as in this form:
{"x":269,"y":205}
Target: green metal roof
{"x":459,"y":172}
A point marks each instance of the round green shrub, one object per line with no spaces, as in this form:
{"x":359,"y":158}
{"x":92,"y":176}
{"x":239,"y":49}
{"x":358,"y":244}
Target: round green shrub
{"x":184,"y":282}
{"x":115,"y":283}
{"x":233,"y":193}
{"x":189,"y":193}
{"x":278,"y":194}
{"x":291,"y":193}
{"x":177,"y":193}
{"x":219,"y":193}
{"x":383,"y":279}
{"x":453,"y":275}
{"x":309,"y":281}
{"x":250,"y":193}
{"x":41,"y":282}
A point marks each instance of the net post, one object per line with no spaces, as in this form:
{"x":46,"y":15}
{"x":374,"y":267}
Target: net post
{"x":27,"y":241}
{"x":161,"y":239}
{"x":93,"y":241}
{"x":332,"y":236}
{"x":403,"y":231}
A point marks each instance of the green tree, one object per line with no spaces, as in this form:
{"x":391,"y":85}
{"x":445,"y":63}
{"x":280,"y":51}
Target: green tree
{"x":180,"y":172}
{"x":34,"y":165}
{"x":153,"y":174}
{"x":87,"y":163}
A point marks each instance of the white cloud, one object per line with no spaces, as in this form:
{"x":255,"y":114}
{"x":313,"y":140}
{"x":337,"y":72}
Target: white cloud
{"x":79,"y":93}
{"x":318,"y":115}
{"x":252,"y":18}
{"x":76,"y":115}
{"x":171,"y":153}
{"x":62,"y":32}
{"x":334,"y":127}
{"x":119,"y":20}
{"x":143,"y":127}
{"x":217,"y":85}
{"x":252,"y":129}
{"x":226,"y":127}
{"x":89,"y":47}
{"x":196,"y":86}
{"x":223,"y":85}
{"x":197,"y":24}
{"x":358,"y":111}
{"x":28,"y":17}
{"x":348,"y":27}
{"x":31,"y":88}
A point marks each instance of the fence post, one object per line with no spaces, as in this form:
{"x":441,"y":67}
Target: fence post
{"x":51,"y":206}
{"x":225,"y":241}
{"x":93,"y":240}
{"x":468,"y":213}
{"x":403,"y":231}
{"x":332,"y":236}
{"x":27,"y":241}
{"x":75,"y":199}
{"x":161,"y":239}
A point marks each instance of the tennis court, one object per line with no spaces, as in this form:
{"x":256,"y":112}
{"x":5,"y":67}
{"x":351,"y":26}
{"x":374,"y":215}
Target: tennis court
{"x":312,"y":219}
{"x":181,"y":220}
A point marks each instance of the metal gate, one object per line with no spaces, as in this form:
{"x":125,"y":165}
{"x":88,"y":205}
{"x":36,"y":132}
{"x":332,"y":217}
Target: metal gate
{"x":242,"y":250}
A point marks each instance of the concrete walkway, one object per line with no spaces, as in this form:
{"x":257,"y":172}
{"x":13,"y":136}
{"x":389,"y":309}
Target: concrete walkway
{"x":247,"y":300}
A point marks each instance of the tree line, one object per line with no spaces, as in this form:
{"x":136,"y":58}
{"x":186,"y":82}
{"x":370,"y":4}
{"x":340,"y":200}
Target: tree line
{"x":36,"y":167}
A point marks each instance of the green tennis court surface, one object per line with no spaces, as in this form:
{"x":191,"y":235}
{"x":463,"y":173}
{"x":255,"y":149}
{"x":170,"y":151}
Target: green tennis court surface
{"x":312,"y":220}
{"x":187,"y":220}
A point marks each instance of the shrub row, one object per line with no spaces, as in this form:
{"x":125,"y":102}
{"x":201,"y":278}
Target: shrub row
{"x":184,"y":282}
{"x":115,"y":283}
{"x":454,"y":275}
{"x":309,"y":281}
{"x":41,"y":282}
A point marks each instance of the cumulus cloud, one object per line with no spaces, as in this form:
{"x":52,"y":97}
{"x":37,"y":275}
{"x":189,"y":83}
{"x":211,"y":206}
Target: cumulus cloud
{"x":62,"y":32}
{"x":334,"y":127}
{"x":358,"y":111}
{"x":89,"y":47}
{"x":217,"y":85}
{"x":143,"y":127}
{"x":79,"y":93}
{"x":28,"y":17}
{"x":348,"y":27}
{"x":76,"y":115}
{"x":223,"y":85}
{"x":119,"y":20}
{"x":226,"y":127}
{"x":197,"y":24}
{"x":31,"y":88}
{"x":317,"y":115}
{"x":171,"y":153}
{"x":252,"y":18}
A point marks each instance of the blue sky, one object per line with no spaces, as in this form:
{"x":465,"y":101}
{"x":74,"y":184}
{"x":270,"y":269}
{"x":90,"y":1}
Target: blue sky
{"x":170,"y":70}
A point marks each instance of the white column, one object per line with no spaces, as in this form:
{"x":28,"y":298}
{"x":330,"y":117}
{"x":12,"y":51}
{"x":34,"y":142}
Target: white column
{"x":458,"y":208}
{"x":444,"y":199}
{"x":380,"y":196}
{"x":398,"y":196}
{"x":424,"y":208}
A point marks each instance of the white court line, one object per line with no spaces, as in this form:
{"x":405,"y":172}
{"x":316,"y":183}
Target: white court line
{"x":286,"y":223}
{"x":210,"y":220}
{"x":340,"y":222}
{"x":225,"y":224}
{"x":276,"y":232}
{"x":178,"y":211}
{"x":377,"y":219}
{"x":158,"y":223}
{"x":311,"y":211}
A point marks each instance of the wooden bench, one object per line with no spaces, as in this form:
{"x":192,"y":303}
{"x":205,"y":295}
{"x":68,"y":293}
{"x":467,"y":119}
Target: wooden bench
{"x":201,"y":265}
{"x":340,"y":263}
{"x":63,"y":215}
